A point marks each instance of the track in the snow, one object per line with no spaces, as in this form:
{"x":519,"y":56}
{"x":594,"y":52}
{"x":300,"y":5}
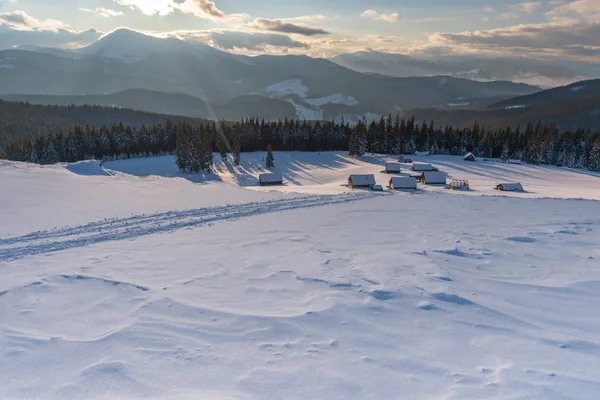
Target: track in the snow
{"x":141,"y":225}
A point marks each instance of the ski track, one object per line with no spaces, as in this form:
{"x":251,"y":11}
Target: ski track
{"x":54,"y":240}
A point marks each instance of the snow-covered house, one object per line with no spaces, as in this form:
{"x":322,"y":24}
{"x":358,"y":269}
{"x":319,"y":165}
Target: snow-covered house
{"x":510,"y":187}
{"x":392,"y":168}
{"x":421,"y":167}
{"x":377,"y":188}
{"x":433,"y":178}
{"x":514,"y":162}
{"x":401,"y":182}
{"x":361,"y":181}
{"x":469,"y":157}
{"x":271,"y":179}
{"x":422,"y":153}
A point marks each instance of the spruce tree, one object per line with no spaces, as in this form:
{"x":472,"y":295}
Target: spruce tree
{"x":270,"y":161}
{"x":237,"y":145}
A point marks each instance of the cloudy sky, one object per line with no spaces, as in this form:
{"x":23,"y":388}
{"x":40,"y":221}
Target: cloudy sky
{"x":548,"y":28}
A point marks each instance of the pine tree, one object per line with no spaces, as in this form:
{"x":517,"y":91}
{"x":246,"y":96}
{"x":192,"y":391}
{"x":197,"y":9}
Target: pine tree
{"x":270,"y":161}
{"x":237,"y":145}
{"x":222,"y":144}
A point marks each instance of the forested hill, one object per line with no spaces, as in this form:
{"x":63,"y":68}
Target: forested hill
{"x":20,"y":121}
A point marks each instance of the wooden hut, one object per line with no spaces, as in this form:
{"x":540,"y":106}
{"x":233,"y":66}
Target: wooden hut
{"x":433,"y":178}
{"x":421,"y":167}
{"x":392,"y":168}
{"x":469,"y":157}
{"x":401,"y":182}
{"x":361,"y":181}
{"x":377,"y":188}
{"x":270,"y":179}
{"x":510,"y":187}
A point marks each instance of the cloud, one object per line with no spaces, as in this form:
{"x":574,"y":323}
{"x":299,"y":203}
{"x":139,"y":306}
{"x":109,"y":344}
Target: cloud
{"x":277,"y":25}
{"x":394,"y":17}
{"x":20,"y":20}
{"x":552,"y":38}
{"x":517,"y":10}
{"x":103,"y":12}
{"x":579,"y":8}
{"x":256,"y":42}
{"x":528,"y":6}
{"x":209,"y":8}
{"x":200,"y":8}
{"x":63,"y":38}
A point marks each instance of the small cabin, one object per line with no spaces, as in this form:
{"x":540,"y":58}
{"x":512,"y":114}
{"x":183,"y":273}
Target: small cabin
{"x":433,"y":178}
{"x":377,"y":188}
{"x":392,"y":168}
{"x":400,"y":183}
{"x":361,"y":181}
{"x":469,"y":157}
{"x":271,"y":179}
{"x":421,"y":167}
{"x":519,"y":162}
{"x":405,"y":160}
{"x":510,"y":187}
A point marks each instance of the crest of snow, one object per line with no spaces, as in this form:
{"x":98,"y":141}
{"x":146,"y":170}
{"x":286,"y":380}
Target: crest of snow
{"x":577,"y":88}
{"x":516,"y":106}
{"x":286,"y":88}
{"x":458,"y":104}
{"x":333,"y":99}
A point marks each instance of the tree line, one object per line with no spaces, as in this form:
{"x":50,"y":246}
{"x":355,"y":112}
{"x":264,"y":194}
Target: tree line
{"x":194,"y":145}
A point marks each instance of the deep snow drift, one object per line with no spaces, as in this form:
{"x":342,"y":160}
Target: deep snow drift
{"x":156,"y":285}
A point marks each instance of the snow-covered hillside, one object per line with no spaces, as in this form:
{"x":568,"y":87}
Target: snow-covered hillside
{"x":134,"y":281}
{"x":296,"y":93}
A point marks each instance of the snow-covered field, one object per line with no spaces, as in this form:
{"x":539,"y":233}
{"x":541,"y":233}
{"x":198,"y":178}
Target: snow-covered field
{"x":132,"y":281}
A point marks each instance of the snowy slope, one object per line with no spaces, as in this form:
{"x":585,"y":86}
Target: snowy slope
{"x":293,"y":90}
{"x":206,"y":289}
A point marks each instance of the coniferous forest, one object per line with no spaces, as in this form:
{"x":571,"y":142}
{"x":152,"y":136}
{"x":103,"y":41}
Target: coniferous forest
{"x":194,"y":145}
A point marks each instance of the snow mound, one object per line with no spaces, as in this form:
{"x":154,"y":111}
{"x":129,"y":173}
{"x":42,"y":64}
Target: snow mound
{"x":577,"y":88}
{"x":87,"y":168}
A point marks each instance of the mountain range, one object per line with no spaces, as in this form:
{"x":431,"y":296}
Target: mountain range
{"x":544,"y":73}
{"x":133,"y":70}
{"x":570,"y":107}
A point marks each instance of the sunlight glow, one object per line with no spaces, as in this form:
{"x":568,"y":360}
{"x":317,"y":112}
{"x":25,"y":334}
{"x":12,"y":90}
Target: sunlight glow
{"x":150,"y":7}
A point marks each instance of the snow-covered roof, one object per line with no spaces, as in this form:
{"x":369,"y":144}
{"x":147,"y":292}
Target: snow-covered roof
{"x":423,"y":167}
{"x":514,"y":161}
{"x":421,"y":153}
{"x":510,"y":187}
{"x":434,"y":177}
{"x":393,"y":167}
{"x":271,"y":178}
{"x":377,"y":187}
{"x":469,"y":156}
{"x":401,"y":182}
{"x":362,"y":180}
